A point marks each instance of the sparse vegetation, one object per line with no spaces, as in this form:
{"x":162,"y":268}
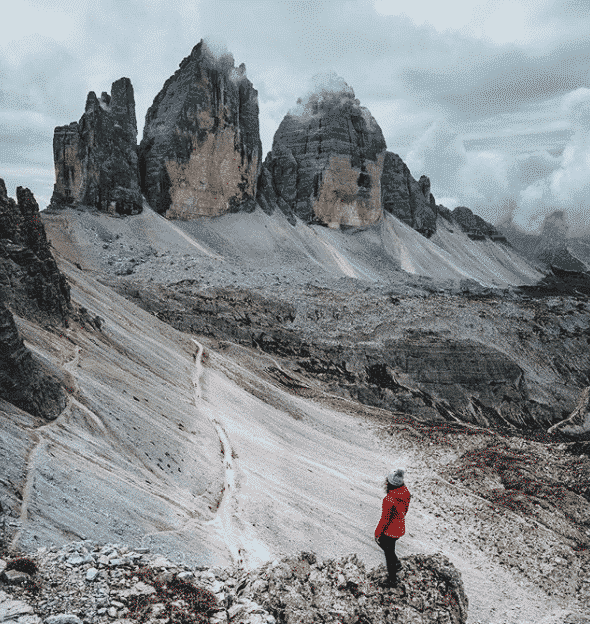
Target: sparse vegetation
{"x":23,"y":564}
{"x":183,"y":602}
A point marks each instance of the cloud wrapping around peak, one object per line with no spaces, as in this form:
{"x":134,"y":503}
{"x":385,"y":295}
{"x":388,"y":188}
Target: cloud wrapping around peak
{"x":438,"y":79}
{"x":327,"y":88}
{"x":568,"y":186}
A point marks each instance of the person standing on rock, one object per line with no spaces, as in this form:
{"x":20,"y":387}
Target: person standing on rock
{"x":392,"y":524}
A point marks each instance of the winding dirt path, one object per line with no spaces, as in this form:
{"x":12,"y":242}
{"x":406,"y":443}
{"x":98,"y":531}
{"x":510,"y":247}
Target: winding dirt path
{"x":40,"y":444}
{"x":224,"y":520}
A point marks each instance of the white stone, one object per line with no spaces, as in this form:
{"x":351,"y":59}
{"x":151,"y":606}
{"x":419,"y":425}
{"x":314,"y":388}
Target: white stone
{"x":63,"y":618}
{"x":29,"y":619}
{"x":13,"y":609}
{"x":185,"y":575}
{"x":144,"y":589}
{"x":162,"y":562}
{"x":158,"y":609}
{"x":91,"y":574}
{"x":216,"y":587}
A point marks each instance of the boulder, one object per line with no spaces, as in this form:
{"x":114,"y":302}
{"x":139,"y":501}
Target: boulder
{"x":407,"y":199}
{"x":326,"y":161}
{"x":201,"y":152}
{"x":96,"y":158}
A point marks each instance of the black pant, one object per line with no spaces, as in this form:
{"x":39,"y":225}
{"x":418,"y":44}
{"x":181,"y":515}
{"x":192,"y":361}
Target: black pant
{"x":393,"y":563}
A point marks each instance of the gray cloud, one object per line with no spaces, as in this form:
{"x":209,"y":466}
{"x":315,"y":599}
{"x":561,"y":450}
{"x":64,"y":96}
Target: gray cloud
{"x":481,"y":119}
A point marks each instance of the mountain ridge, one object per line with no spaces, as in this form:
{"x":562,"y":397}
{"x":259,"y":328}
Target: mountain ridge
{"x":328,"y":165}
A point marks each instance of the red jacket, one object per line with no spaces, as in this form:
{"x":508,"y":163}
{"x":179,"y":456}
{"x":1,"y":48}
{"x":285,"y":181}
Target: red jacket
{"x":395,"y":507}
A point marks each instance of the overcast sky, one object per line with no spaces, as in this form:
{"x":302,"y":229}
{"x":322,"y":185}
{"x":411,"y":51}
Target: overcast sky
{"x":489,"y":98}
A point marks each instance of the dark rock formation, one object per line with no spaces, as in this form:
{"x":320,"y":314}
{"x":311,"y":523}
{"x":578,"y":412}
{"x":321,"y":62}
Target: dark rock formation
{"x":96,"y":158}
{"x":407,"y":199}
{"x":326,"y":161}
{"x":473,"y":225}
{"x":201,"y":152}
{"x":30,"y":282}
{"x":31,"y":286}
{"x":425,"y":375}
{"x":23,"y":382}
{"x":269,"y":199}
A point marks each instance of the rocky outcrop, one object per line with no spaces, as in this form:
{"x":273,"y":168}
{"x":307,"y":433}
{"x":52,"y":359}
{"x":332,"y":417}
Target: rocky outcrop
{"x":30,"y":282}
{"x":474,"y":226}
{"x":301,"y":589}
{"x":552,"y":248}
{"x":23,"y":382}
{"x":407,"y":199}
{"x":326,"y":161}
{"x":113,"y":581}
{"x":31,"y":286}
{"x":201,"y":152}
{"x":96,"y":158}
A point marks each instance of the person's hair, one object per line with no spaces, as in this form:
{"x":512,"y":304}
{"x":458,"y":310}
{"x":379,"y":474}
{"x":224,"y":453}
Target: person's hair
{"x":387,"y":486}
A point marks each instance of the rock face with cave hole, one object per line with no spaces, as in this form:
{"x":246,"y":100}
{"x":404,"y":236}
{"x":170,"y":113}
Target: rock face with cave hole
{"x":201,"y":154}
{"x":326,"y":161}
{"x":96,"y":158}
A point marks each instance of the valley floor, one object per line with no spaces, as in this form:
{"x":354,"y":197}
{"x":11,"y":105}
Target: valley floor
{"x":443,"y":517}
{"x":306,"y":467}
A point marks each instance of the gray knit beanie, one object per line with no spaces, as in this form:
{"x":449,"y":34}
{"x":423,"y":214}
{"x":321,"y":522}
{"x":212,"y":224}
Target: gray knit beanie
{"x":396,"y":477}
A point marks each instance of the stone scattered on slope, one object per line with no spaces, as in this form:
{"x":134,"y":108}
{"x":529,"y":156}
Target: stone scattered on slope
{"x":96,"y":158}
{"x":326,"y":160}
{"x":135,"y":586}
{"x":408,"y":199}
{"x":201,"y":150}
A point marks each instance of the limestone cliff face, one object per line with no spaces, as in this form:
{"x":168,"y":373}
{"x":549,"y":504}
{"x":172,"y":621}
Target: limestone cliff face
{"x":407,"y":199}
{"x":326,"y":162}
{"x":201,"y":152}
{"x":96,"y":158}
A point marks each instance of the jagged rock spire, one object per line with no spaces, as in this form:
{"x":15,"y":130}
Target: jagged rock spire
{"x":96,"y":158}
{"x":201,"y":152}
